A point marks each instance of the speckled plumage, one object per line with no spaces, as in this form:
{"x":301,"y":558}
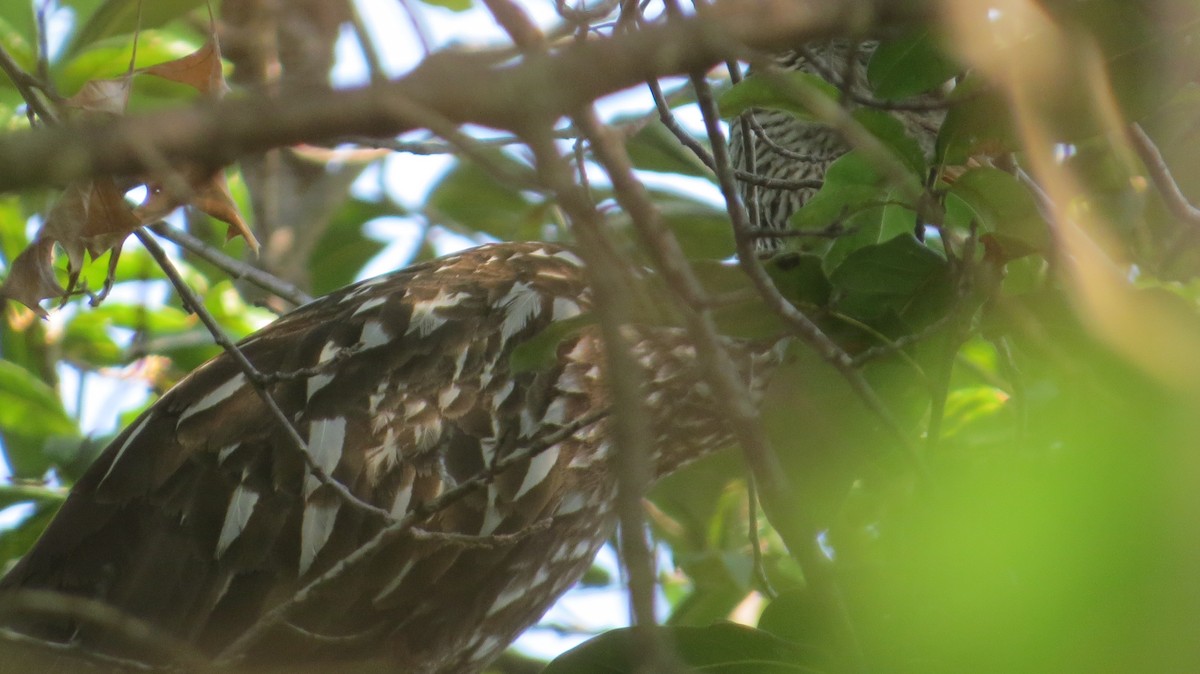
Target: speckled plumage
{"x":201,"y":516}
{"x":795,"y":149}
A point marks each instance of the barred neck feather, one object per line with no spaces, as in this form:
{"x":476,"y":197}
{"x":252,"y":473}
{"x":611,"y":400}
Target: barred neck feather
{"x":794,"y":149}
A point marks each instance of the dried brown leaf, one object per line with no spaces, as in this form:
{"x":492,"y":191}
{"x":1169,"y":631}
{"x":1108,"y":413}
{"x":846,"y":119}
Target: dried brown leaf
{"x":65,"y":221}
{"x":200,"y":70}
{"x":209,"y":193}
{"x":31,"y":277}
{"x":110,"y":219}
{"x":104,"y":96}
{"x":90,"y":217}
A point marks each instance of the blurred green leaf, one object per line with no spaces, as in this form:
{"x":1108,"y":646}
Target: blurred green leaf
{"x":344,"y":247}
{"x":887,"y":276}
{"x":540,"y":351}
{"x":452,"y":5}
{"x":123,"y":17}
{"x":760,"y":91}
{"x":19,"y":18}
{"x":978,"y":122}
{"x":110,"y":59}
{"x":909,"y":65}
{"x":892,"y":132}
{"x":17,"y":540}
{"x":655,"y":148}
{"x":703,"y":230}
{"x":86,"y":341}
{"x":1004,"y":206}
{"x":28,"y":406}
{"x":471,"y":197}
{"x":798,"y":616}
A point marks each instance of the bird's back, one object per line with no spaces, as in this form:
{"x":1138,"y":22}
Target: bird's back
{"x":204,"y":521}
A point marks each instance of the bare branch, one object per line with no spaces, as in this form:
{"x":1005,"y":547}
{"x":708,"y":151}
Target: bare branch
{"x":28,"y":86}
{"x":236,"y":269}
{"x":483,"y":88}
{"x":1176,"y":201}
{"x":631,"y":432}
{"x":257,"y":379}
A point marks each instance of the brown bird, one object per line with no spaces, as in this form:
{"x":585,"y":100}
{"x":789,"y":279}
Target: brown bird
{"x":440,"y":501}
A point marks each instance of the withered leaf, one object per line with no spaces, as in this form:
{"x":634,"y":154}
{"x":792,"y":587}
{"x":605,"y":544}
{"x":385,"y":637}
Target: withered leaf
{"x":201,"y":70}
{"x":92,"y":217}
{"x":209,"y":193}
{"x":104,"y":96}
{"x":31,"y":277}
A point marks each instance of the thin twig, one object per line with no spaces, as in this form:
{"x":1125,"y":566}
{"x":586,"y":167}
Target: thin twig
{"x":236,"y":269}
{"x":749,"y":176}
{"x":28,"y":86}
{"x":1160,"y":174}
{"x":793,"y":525}
{"x":632,"y":436}
{"x":366,"y":44}
{"x":760,"y":570}
{"x":515,"y":21}
{"x":90,"y":611}
{"x":256,"y":378}
{"x":801,"y":324}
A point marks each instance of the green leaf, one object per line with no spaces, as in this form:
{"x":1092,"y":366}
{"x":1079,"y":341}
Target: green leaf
{"x":703,"y":230}
{"x":891,"y":131}
{"x":967,"y":409}
{"x":540,"y":351}
{"x":887,"y":276}
{"x":109,"y":58}
{"x":452,"y":5}
{"x":797,"y":616}
{"x":18,"y":17}
{"x":124,"y":17}
{"x":18,"y":34}
{"x":472,"y":197}
{"x":86,"y":341}
{"x":344,"y":248}
{"x":800,"y":278}
{"x":29,"y":407}
{"x":850,"y":184}
{"x":16,"y":541}
{"x":1005,"y":207}
{"x":978,"y":122}
{"x":655,"y":148}
{"x":718,"y":649}
{"x":909,"y":65}
{"x":759,"y":91}
{"x":31,"y":416}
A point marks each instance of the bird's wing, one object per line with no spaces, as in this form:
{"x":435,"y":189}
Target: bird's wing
{"x":202,"y":513}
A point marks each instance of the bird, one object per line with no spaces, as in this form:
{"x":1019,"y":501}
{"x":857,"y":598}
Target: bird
{"x":787,"y":147}
{"x":439,"y":499}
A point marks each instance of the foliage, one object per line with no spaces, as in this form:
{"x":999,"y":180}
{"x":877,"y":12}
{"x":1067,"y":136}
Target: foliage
{"x":1029,"y":315}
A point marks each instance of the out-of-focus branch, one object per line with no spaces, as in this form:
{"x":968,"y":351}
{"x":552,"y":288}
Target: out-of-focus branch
{"x":481,"y":88}
{"x":1160,"y":174}
{"x":28,"y":86}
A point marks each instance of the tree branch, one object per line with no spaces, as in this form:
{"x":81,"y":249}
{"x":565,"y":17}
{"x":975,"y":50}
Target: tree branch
{"x":483,"y":88}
